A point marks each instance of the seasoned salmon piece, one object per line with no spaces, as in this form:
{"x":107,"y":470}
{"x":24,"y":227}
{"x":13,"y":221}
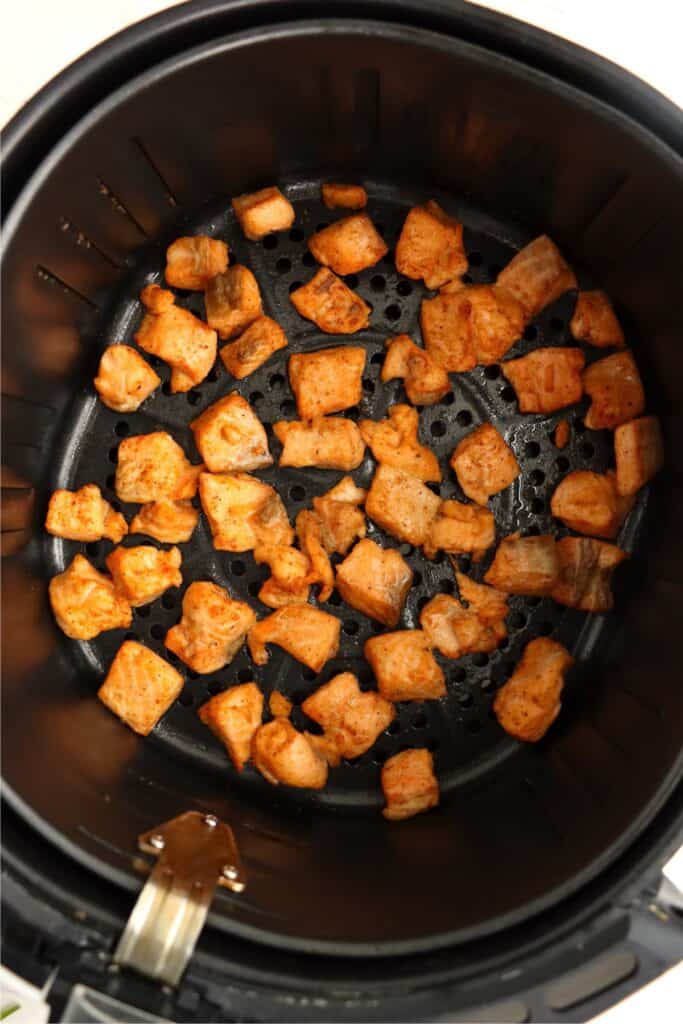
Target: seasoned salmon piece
{"x":595,"y":321}
{"x":191,"y":262}
{"x":424,"y":380}
{"x":253,"y":348}
{"x":279,"y":705}
{"x":461,"y":529}
{"x":484,"y":464}
{"x":341,"y":519}
{"x":402,"y":505}
{"x":586,"y":568}
{"x":349,"y":245}
{"x":230,"y":436}
{"x":528,"y":704}
{"x":376,"y":581}
{"x":326,"y":747}
{"x":84,"y":515}
{"x":243,"y":512}
{"x":233,"y":301}
{"x":284,"y":755}
{"x":310,"y":533}
{"x":234,"y":716}
{"x":289,"y":567}
{"x":456,"y":630}
{"x":85,"y":602}
{"x":639,"y":451}
{"x":154,"y":466}
{"x":475,"y":324}
{"x":309,"y":635}
{"x":329,"y":380}
{"x":547,"y":379}
{"x":326,"y":442}
{"x":143,"y":573}
{"x":409,"y":784}
{"x":274,"y":596}
{"x":404,"y":666}
{"x":330,"y":304}
{"x":167,"y":520}
{"x":524,"y":565}
{"x":181,"y":340}
{"x":537,"y":275}
{"x":212,"y":629}
{"x":124,"y":379}
{"x":347,"y":197}
{"x":156,"y":299}
{"x":616,"y":391}
{"x":446,"y":333}
{"x":431,"y":246}
{"x":352,"y":720}
{"x":394,"y":442}
{"x":588,"y":503}
{"x":140,"y":687}
{"x":260,"y":213}
{"x":561,"y":435}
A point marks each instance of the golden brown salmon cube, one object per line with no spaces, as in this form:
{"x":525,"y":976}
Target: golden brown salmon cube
{"x":329,"y":380}
{"x":345,"y":197}
{"x":409,"y":784}
{"x":289,"y":567}
{"x":309,"y":635}
{"x":84,"y":515}
{"x":326,"y":747}
{"x":260,"y":213}
{"x":85,"y":602}
{"x":349,"y":245}
{"x":352,"y":720}
{"x":284,"y":755}
{"x":331,"y":304}
{"x":537,"y":275}
{"x":253,"y":348}
{"x":461,"y":529}
{"x":586,"y":568}
{"x":140,"y":687}
{"x":124,"y":379}
{"x":562,"y":434}
{"x":142,"y":574}
{"x":547,"y":379}
{"x":181,"y":340}
{"x":456,"y":630}
{"x":279,"y":705}
{"x":274,"y":596}
{"x":595,"y":321}
{"x":156,"y":299}
{"x":425,"y":381}
{"x":401,"y":504}
{"x":524,"y":565}
{"x":192,"y":262}
{"x":310,"y":533}
{"x":639,"y":451}
{"x":212,"y":629}
{"x":341,"y":519}
{"x":233,"y":301}
{"x":431,"y":246}
{"x":616,"y":391}
{"x":230,"y":436}
{"x":588,"y":503}
{"x":326,"y":442}
{"x":446,"y":333}
{"x":243,"y":512}
{"x":167,"y":520}
{"x":153,"y":466}
{"x":471,"y":324}
{"x":484,"y":464}
{"x":376,"y":581}
{"x":394,"y":442}
{"x":404,"y":666}
{"x":528,"y":704}
{"x":234,"y":716}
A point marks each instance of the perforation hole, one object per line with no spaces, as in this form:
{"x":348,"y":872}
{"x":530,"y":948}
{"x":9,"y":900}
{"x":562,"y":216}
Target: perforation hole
{"x":438,"y":428}
{"x":166,"y":388}
{"x":186,"y":699}
{"x":474,"y":725}
{"x":308,"y":674}
{"x":465,"y":700}
{"x":93,"y":549}
{"x":308,"y":259}
{"x":537,"y":477}
{"x":351,"y":280}
{"x":113,"y":454}
{"x":334,"y":599}
{"x":587,"y":450}
{"x":270,"y":242}
{"x":276,"y":381}
{"x":417,"y":578}
{"x":464,"y":418}
{"x":446,"y":586}
{"x":288,"y":407}
{"x":296,"y":235}
{"x":530,"y":333}
{"x":508,"y":394}
{"x":557,"y":324}
{"x":377,"y":358}
{"x":214,"y":688}
{"x":395,"y":728}
{"x":537,"y":506}
{"x":579,"y":425}
{"x":213,"y":374}
{"x":143,"y":611}
{"x":238,"y":568}
{"x":169,"y":600}
{"x":254,"y":588}
{"x":111,"y":481}
{"x":448,"y":398}
{"x":368,"y":386}
{"x":392,"y":312}
{"x":562,"y":464}
{"x":255,"y":398}
{"x":517,"y":620}
{"x":283,"y":265}
{"x":545,"y":628}
{"x":297,"y":492}
{"x":404,"y":288}
{"x":378,"y":283}
{"x":458,"y":675}
{"x":245,"y":675}
{"x":492,"y":372}
{"x":532,"y":450}
{"x":193,"y":397}
{"x":480,"y":659}
{"x":379,"y":756}
{"x":419,"y":720}
{"x":157,"y":631}
{"x":422,"y":602}
{"x":121,"y":429}
{"x":533,"y":602}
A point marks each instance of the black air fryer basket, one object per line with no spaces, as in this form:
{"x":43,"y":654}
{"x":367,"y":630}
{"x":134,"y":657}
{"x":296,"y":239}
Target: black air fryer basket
{"x":543,"y":858}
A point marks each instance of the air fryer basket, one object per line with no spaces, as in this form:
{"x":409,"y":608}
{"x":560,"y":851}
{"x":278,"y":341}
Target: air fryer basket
{"x":413,"y":114}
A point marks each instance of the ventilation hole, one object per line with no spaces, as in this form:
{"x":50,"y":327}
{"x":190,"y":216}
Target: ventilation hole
{"x":534,"y":602}
{"x":395,"y":728}
{"x":276,"y":381}
{"x":422,"y":602}
{"x":392,"y":312}
{"x":532,"y":531}
{"x":446,"y":586}
{"x":114,"y":455}
{"x":238,"y":568}
{"x":270,"y":242}
{"x":186,"y":699}
{"x":419,"y":720}
{"x":508,"y":394}
{"x":255,"y":397}
{"x":214,"y":688}
{"x":213,"y":374}
{"x":448,"y":399}
{"x":351,"y":280}
{"x":368,"y":386}
{"x":517,"y":620}
{"x":157,"y":631}
{"x":579,"y":425}
{"x":432,"y":744}
{"x":562,"y":464}
{"x":474,"y":725}
{"x":245,"y":675}
{"x":143,"y":611}
{"x":121,"y":429}
{"x":494,"y":269}
{"x":379,"y":756}
{"x":283,"y":265}
{"x":309,"y":675}
{"x":308,"y":259}
{"x":377,"y":358}
{"x":297,"y":493}
{"x":537,"y":506}
{"x":545,"y":628}
{"x":194,"y":397}
{"x":294,"y":285}
{"x":480,"y":659}
{"x":465,"y":700}
{"x":557,"y":324}
{"x":169,"y":600}
{"x":404,"y":288}
{"x":530,"y":333}
{"x":111,"y":481}
{"x":406,"y":550}
{"x":166,"y":388}
{"x":474,"y":258}
{"x":93,"y":549}
{"x":287,"y":408}
{"x":378,"y":283}
{"x":458,"y":674}
{"x":438,"y":428}
{"x":537,"y":477}
{"x":587,"y":450}
{"x":296,"y":235}
{"x":504,"y":644}
{"x":532,"y":450}
{"x":254,"y":588}
{"x":132,"y":636}
{"x":464,"y":418}
{"x":492,"y":372}
{"x":439,"y":557}
{"x":417,"y":578}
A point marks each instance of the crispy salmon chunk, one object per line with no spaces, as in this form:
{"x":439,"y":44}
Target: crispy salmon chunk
{"x":154,"y":466}
{"x":191,"y":262}
{"x":341,"y":519}
{"x":561,"y":435}
{"x":85,"y":602}
{"x":475,"y":324}
{"x":212,"y":629}
{"x":289,"y":567}
{"x":409,"y":784}
{"x":589,"y":503}
{"x":376,"y":581}
{"x":639,"y":451}
{"x":404,"y":666}
{"x":284,"y":755}
{"x":230,"y":436}
{"x":140,"y":687}
{"x":547,"y":379}
{"x":431,"y":246}
{"x":352,"y":720}
{"x":274,"y":596}
{"x":345,"y":197}
{"x":279,"y":705}
{"x":425,"y":381}
{"x":181,"y":340}
{"x":446,"y":333}
{"x":330,"y":304}
{"x":586,"y":568}
{"x":156,"y":299}
{"x":455,"y":629}
{"x":253,"y":348}
{"x":461,"y":529}
{"x":233,"y":301}
{"x":326,"y":442}
{"x":243,"y":512}
{"x":349,"y":245}
{"x":484,"y":464}
{"x":124,"y":379}
{"x":234,"y":716}
{"x":263,"y":212}
{"x":84,"y":515}
{"x":309,"y":635}
{"x":309,"y":530}
{"x":394,"y":442}
{"x":528,"y":704}
{"x":615,"y":389}
{"x":143,"y":573}
{"x":595,"y":322}
{"x":537,"y":275}
{"x":402,"y":505}
{"x":167,"y":520}
{"x":524,"y":565}
{"x":329,"y":380}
